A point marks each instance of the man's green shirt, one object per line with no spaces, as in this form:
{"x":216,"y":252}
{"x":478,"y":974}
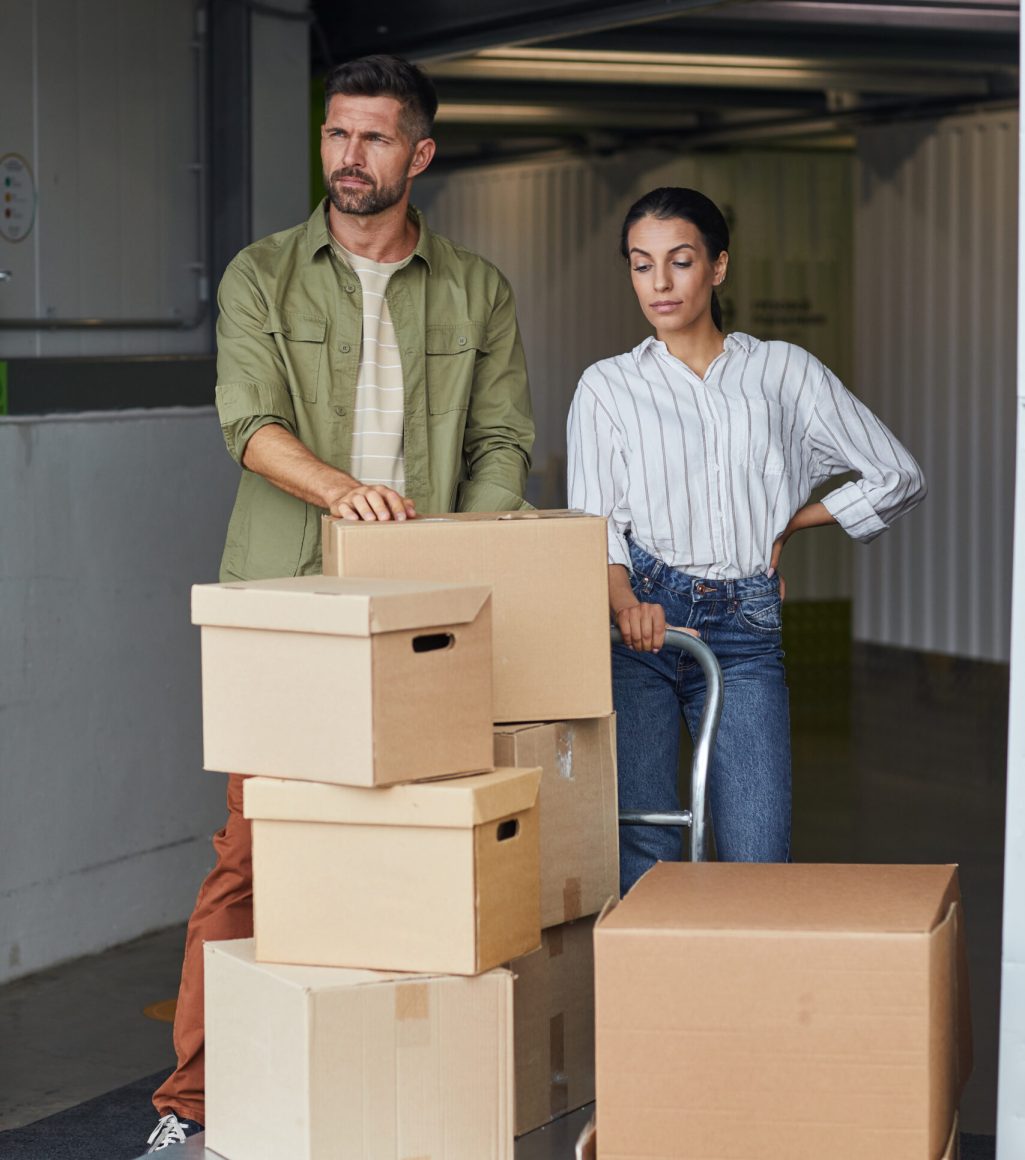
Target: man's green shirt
{"x":288,"y":352}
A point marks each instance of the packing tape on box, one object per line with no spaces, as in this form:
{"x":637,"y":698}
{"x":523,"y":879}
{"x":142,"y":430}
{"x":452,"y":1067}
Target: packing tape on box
{"x":559,"y":1091}
{"x":571,"y":900}
{"x":412,"y":1001}
{"x":413,"y":1015}
{"x":564,"y":752}
{"x":554,"y":938}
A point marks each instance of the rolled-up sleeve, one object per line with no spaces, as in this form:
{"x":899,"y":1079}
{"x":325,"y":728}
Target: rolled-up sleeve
{"x":844,"y":435}
{"x":596,"y":469}
{"x":499,"y":435}
{"x":252,"y":385}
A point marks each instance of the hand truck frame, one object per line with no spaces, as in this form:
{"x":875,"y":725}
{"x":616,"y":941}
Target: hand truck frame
{"x":695,"y":819}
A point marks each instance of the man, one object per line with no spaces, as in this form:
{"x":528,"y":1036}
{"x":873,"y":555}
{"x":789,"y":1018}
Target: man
{"x":365,"y":367}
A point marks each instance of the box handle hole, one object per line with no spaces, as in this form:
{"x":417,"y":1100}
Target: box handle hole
{"x":433,"y":641}
{"x":508,"y":829}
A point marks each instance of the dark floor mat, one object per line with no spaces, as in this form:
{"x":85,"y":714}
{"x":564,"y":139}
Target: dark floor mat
{"x":978,"y":1147}
{"x":113,"y":1126}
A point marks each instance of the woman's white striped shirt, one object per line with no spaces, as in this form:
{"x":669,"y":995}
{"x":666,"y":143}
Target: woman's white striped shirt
{"x":706,"y":473}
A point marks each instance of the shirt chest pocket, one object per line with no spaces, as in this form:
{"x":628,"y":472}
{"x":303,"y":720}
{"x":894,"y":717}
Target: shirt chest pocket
{"x":759,"y":430}
{"x":451,"y":356}
{"x":300,"y":342}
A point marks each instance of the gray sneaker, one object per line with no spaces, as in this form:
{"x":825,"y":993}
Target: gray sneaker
{"x":170,"y":1130}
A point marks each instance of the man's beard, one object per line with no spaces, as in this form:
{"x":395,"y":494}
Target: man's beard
{"x":370,"y":200}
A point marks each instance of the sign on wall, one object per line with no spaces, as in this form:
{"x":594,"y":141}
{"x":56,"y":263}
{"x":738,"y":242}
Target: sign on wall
{"x":17,"y":198}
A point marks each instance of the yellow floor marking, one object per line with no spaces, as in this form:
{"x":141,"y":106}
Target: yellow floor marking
{"x":162,"y":1011}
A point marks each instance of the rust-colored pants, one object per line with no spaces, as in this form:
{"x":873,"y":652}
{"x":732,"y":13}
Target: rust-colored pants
{"x":223,"y":910}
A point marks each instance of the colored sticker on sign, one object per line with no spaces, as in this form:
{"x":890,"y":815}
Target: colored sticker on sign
{"x":17,"y":198}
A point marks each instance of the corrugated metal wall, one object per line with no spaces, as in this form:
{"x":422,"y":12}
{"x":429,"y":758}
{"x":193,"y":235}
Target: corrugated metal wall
{"x":100,"y":99}
{"x":553,"y":228}
{"x":935,"y":328}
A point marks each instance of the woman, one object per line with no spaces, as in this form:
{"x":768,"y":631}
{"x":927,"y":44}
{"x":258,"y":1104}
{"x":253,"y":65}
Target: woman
{"x":702,"y":449}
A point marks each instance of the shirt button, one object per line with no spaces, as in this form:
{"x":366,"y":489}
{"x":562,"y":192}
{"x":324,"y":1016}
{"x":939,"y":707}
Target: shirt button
{"x":462,"y":340}
{"x":350,"y":289}
{"x":339,"y":410}
{"x":345,"y":348}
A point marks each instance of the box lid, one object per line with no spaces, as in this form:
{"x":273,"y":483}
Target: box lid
{"x":336,"y":606}
{"x":243,"y":950}
{"x":451,"y":802}
{"x":463,"y":518}
{"x":731,"y":896}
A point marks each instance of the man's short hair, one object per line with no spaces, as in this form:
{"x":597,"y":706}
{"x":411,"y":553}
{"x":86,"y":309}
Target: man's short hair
{"x":388,"y":76}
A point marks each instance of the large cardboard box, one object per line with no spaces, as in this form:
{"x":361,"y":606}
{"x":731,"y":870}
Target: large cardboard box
{"x":549,"y":573}
{"x":433,"y":876}
{"x":315,"y":1063}
{"x":553,"y":1014}
{"x":579,"y":810}
{"x":587,"y":1143}
{"x":363,"y":682}
{"x":788,"y":1012}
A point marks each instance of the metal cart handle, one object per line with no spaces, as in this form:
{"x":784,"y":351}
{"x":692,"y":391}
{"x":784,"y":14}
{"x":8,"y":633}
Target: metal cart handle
{"x":696,"y":818}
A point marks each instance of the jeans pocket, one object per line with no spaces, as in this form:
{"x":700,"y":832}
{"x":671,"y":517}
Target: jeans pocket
{"x":761,"y":614}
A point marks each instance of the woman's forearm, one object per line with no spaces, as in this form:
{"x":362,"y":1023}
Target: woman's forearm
{"x":812,"y":515}
{"x":621,"y":595}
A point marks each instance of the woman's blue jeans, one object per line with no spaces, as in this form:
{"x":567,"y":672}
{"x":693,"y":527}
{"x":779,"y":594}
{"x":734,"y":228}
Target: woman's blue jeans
{"x":749,"y":775}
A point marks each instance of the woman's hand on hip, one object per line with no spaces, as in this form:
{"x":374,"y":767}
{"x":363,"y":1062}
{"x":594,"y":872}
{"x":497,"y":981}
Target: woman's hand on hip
{"x":812,"y":515}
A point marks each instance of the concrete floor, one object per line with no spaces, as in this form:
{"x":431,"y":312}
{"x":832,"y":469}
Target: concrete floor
{"x":898,"y":757}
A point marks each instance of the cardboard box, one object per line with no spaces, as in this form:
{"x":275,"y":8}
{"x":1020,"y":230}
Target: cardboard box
{"x":362,"y":682}
{"x":435,"y":876}
{"x":549,"y":574}
{"x":314,"y":1063}
{"x":553,"y":1014}
{"x":788,"y":1012}
{"x":579,"y":810}
{"x":587,"y":1143}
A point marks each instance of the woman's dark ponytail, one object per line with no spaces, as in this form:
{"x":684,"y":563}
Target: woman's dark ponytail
{"x":671,"y":201}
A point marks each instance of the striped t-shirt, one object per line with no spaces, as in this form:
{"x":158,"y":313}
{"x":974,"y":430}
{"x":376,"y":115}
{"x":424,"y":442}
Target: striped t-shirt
{"x":705,"y":473}
{"x":377,"y":455}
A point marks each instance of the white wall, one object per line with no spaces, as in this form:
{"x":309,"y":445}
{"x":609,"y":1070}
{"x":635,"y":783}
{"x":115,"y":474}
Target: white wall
{"x":105,"y":812}
{"x":553,"y":228}
{"x":1011,"y":1087}
{"x":935,"y":352}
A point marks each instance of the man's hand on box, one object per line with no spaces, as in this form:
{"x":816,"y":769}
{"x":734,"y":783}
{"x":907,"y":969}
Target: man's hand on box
{"x":373,"y":502}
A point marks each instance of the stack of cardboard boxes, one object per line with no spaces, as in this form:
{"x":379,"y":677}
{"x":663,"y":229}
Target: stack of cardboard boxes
{"x":370,"y":1017}
{"x":547,"y":572}
{"x":773,"y":1011}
